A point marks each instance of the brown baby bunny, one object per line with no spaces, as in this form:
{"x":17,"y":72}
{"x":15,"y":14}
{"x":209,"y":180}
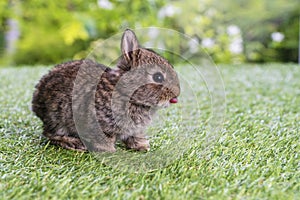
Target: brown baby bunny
{"x":85,"y":105}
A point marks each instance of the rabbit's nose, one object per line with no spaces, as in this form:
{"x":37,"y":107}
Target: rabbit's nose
{"x":174,"y":100}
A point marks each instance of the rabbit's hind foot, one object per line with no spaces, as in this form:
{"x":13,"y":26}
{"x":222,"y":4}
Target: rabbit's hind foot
{"x":68,"y":142}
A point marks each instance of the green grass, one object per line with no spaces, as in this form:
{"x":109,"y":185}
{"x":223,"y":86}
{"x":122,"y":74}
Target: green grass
{"x":257,"y":154}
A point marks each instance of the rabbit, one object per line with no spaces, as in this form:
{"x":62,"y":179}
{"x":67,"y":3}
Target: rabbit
{"x":87,"y":106}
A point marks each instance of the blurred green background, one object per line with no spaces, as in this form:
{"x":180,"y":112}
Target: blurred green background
{"x":46,"y":32}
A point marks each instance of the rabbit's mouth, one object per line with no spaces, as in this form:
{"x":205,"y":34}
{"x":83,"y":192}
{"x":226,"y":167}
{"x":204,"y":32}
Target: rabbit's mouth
{"x":166,"y":103}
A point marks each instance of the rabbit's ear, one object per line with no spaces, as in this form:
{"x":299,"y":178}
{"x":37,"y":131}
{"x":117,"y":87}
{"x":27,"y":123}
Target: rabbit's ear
{"x":129,"y":44}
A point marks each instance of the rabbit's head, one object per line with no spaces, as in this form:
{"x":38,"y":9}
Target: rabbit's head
{"x":149,"y":79}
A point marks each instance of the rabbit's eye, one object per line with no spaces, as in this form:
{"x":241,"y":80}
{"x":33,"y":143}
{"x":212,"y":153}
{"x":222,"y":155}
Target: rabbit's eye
{"x":158,"y":77}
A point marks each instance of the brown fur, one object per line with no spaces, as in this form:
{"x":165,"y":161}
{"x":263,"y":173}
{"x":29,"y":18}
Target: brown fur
{"x":106,"y":104}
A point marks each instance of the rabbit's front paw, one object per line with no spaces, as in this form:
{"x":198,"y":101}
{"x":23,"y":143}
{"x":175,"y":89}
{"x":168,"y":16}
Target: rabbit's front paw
{"x":137,"y":143}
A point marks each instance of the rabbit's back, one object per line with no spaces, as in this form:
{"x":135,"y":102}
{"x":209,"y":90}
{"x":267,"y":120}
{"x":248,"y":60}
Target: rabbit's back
{"x":52,"y":100}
